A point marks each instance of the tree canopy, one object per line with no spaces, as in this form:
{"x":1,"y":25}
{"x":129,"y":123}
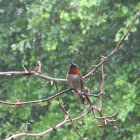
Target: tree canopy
{"x":50,"y":31}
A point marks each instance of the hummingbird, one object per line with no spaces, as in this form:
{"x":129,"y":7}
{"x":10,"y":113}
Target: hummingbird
{"x":76,"y":82}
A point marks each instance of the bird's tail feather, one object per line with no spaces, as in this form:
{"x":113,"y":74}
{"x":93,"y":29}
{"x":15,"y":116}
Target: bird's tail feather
{"x":83,"y":98}
{"x":80,"y":97}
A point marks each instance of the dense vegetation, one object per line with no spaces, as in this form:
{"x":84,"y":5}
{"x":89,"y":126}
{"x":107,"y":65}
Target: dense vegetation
{"x":49,"y":31}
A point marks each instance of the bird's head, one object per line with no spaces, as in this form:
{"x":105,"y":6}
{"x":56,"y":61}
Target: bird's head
{"x":74,"y":69}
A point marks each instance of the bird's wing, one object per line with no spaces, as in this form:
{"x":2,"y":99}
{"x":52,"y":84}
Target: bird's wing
{"x":82,"y":82}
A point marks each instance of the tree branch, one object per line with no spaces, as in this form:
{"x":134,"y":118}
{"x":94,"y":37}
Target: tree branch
{"x":105,"y":118}
{"x":46,"y":131}
{"x":31,"y":73}
{"x":114,"y":50}
{"x":68,"y":114}
{"x":67,"y":119}
{"x":101,"y":87}
{"x":37,"y":101}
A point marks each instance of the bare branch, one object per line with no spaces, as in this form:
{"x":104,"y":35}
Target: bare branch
{"x":92,"y":108}
{"x":74,"y":56}
{"x":50,"y":78}
{"x":31,"y":73}
{"x":101,"y":87}
{"x":26,"y":126}
{"x":38,"y":65}
{"x":105,"y":118}
{"x":68,"y":114}
{"x":95,"y":95}
{"x":37,"y":101}
{"x":46,"y":131}
{"x":114,"y":50}
{"x":138,"y":14}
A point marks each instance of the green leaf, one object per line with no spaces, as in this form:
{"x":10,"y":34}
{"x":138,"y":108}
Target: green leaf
{"x":124,"y":9}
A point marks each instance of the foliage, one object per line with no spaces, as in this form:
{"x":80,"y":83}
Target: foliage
{"x":49,"y":31}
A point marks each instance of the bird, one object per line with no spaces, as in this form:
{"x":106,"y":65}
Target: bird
{"x":76,"y":82}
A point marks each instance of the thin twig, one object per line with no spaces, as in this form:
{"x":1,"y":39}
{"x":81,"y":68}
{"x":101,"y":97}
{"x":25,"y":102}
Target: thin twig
{"x":114,"y":50}
{"x":46,"y":131}
{"x":95,"y":95}
{"x":43,"y":100}
{"x":26,"y":126}
{"x":64,"y":80}
{"x":101,"y":87}
{"x":74,"y":56}
{"x":37,"y":101}
{"x":68,"y":113}
{"x":23,"y":73}
{"x":105,"y":118}
{"x":31,"y":73}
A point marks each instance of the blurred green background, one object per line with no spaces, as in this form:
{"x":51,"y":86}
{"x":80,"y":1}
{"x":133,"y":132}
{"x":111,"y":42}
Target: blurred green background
{"x":49,"y":31}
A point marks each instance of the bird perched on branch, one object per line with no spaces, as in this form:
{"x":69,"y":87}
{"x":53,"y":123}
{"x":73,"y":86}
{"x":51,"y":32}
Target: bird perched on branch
{"x":75,"y":81}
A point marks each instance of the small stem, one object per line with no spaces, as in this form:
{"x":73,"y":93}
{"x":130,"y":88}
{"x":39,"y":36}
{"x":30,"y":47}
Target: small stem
{"x":67,"y":113}
{"x":114,"y":50}
{"x":37,"y":101}
{"x":101,"y":87}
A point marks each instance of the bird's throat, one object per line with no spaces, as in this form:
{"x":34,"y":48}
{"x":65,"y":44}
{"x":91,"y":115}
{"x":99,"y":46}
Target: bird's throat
{"x":74,"y":71}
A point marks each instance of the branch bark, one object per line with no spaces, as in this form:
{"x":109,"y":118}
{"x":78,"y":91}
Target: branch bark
{"x":46,"y":131}
{"x":67,"y":119}
{"x":33,"y":73}
{"x":115,"y":49}
{"x":37,"y":101}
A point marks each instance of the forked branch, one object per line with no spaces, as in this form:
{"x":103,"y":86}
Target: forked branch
{"x":37,"y":101}
{"x":67,"y":114}
{"x":115,"y":49}
{"x":66,"y":120}
{"x":33,"y":73}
